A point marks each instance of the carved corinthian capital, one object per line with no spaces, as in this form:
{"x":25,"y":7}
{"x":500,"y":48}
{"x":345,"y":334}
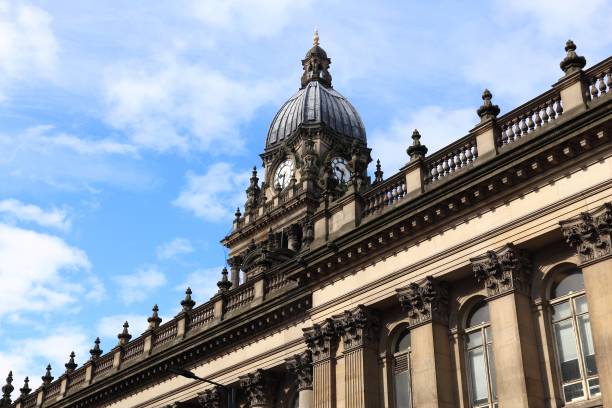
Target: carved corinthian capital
{"x":359,"y":327}
{"x":425,"y":301}
{"x":503,"y":271}
{"x":322,"y":340}
{"x":301,"y":366}
{"x":258,"y":387}
{"x":210,"y":398}
{"x":590,"y":233}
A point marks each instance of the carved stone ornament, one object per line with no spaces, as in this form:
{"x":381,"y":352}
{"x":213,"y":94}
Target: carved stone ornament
{"x":503,"y":271}
{"x":590,"y":233}
{"x":359,"y":327}
{"x":425,"y":301}
{"x":210,"y":398}
{"x":301,"y":366}
{"x":258,"y":388}
{"x":322,"y":340}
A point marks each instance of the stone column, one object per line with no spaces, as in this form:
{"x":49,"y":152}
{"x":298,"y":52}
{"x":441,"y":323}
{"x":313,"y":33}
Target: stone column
{"x":431,"y":370}
{"x":322,"y":340}
{"x":258,"y":387}
{"x":234,"y":263}
{"x":360,"y":330}
{"x":300,"y":365}
{"x":590,"y":234}
{"x":210,"y":398}
{"x":506,"y":277}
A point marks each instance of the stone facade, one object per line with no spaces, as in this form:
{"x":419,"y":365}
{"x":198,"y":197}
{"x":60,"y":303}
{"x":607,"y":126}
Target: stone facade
{"x":439,"y":286}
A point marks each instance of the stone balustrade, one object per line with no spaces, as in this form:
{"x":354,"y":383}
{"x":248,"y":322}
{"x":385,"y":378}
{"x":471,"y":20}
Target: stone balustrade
{"x":387,"y":193}
{"x":451,"y":159}
{"x":598,"y":80}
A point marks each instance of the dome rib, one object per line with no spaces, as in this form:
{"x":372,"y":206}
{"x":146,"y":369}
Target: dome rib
{"x":315,"y":104}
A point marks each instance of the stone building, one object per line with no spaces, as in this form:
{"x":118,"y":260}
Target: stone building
{"x":477,"y":276}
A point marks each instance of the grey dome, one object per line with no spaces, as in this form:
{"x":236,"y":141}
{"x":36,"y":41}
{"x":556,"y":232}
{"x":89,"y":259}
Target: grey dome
{"x":316,"y":104}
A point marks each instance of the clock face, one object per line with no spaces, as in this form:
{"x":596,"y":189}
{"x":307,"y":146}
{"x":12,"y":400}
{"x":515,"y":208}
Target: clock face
{"x":283,"y":174}
{"x":340,"y":169}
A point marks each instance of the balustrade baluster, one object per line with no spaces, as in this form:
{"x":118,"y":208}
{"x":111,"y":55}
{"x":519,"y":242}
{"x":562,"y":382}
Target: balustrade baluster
{"x":602,"y":84}
{"x":594,"y":91}
{"x":530,"y":123}
{"x":559,"y":106}
{"x":538,"y":119}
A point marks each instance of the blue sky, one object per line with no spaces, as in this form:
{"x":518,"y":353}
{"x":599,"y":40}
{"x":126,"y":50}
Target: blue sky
{"x":127,"y":131}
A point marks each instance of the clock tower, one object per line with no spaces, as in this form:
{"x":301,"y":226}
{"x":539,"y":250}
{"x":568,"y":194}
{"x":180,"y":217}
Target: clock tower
{"x":315,"y":153}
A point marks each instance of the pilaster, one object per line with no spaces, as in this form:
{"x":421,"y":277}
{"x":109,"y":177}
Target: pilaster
{"x":359,"y":329}
{"x":426,"y":304}
{"x":322,"y":341}
{"x":505,"y":274}
{"x":300,"y":365}
{"x":258,"y":387}
{"x":590,"y":234}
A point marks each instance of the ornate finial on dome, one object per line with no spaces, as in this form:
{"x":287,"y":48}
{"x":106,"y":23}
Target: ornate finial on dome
{"x":316,"y":64}
{"x":71,"y":365}
{"x":7,"y":389}
{"x":417,"y":150}
{"x":47,"y":378}
{"x":154,"y":320}
{"x":25,"y":390}
{"x":487,"y":110}
{"x":572,"y":61}
{"x":378,"y":174}
{"x":125,"y":336}
{"x":188,"y":302}
{"x":96,"y":352}
{"x":224,"y":284}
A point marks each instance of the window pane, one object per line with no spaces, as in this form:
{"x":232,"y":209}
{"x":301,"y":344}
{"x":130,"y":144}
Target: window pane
{"x":594,"y":386}
{"x":561,"y":311}
{"x":492,"y":371}
{"x":473,"y":339}
{"x":402,"y":390}
{"x":586,"y":337}
{"x":573,"y":392}
{"x":566,"y":348}
{"x":403,"y":342}
{"x":479,"y":315}
{"x":570,"y":284}
{"x":581,"y":305}
{"x":478,"y":376}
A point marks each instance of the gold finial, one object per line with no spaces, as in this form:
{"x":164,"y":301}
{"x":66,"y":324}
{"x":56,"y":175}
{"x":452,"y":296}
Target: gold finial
{"x":315,"y":38}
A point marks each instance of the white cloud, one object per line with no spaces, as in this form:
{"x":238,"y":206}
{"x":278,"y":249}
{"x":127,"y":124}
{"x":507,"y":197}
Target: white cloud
{"x":438,"y":127}
{"x":43,"y":155}
{"x":55,"y":218}
{"x":29,"y":356}
{"x":173,"y":103}
{"x":173,"y":248}
{"x":138,"y":286}
{"x":214,"y":195}
{"x":43,"y":272}
{"x":28,"y":47}
{"x":203,"y":283}
{"x":253,"y":17}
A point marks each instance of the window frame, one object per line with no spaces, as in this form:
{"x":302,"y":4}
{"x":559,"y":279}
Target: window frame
{"x":571,"y":298}
{"x":394,"y":355}
{"x":484,"y":329}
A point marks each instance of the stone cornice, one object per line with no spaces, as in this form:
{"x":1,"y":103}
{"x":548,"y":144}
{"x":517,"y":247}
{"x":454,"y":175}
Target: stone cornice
{"x":590,"y":233}
{"x":191,"y":350}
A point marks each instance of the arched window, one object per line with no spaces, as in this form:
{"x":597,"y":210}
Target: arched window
{"x":479,"y":355}
{"x":573,"y":339}
{"x":401,"y":371}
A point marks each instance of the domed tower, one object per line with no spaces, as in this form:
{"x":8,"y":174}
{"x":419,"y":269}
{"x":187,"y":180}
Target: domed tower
{"x":315,"y":152}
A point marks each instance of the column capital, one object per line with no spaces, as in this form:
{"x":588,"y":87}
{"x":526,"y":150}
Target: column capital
{"x":589,"y":233}
{"x":210,"y":398}
{"x":503,"y":271}
{"x":322,"y":340}
{"x":301,"y":366}
{"x":358,"y":327}
{"x":258,"y":387}
{"x":425,"y":301}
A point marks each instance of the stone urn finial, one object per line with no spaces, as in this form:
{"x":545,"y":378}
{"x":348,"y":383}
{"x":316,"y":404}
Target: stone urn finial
{"x":572,"y":61}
